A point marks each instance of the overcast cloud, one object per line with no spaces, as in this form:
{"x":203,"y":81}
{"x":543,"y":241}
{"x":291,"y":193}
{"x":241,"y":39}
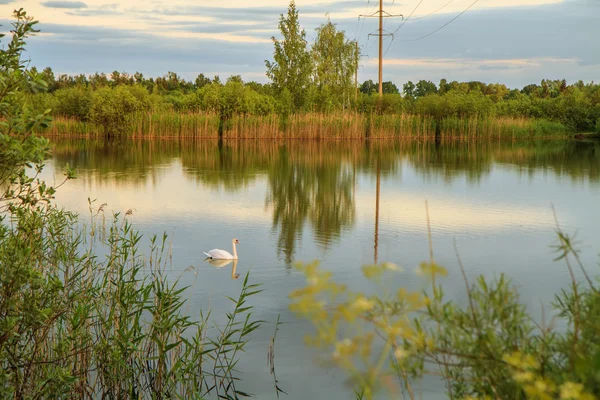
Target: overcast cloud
{"x":507,"y":41}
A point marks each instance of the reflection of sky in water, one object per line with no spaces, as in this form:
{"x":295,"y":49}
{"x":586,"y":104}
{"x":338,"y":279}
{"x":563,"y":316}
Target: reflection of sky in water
{"x":498,"y":209}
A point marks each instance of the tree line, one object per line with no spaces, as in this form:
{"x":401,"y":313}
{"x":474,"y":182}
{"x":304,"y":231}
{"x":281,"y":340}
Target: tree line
{"x":313,"y":77}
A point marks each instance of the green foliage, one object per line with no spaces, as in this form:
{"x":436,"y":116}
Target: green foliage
{"x":454,"y":104}
{"x":73,"y":102}
{"x":318,"y":77}
{"x":335,"y":61}
{"x":76,"y":326}
{"x":292,"y":64}
{"x":15,"y":118}
{"x":111,"y":108}
{"x":73,"y":325}
{"x":598,"y":125}
{"x":489,"y":347}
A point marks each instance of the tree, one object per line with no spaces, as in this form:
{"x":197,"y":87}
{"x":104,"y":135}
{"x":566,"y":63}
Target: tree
{"x":292,"y":64}
{"x":49,"y":78}
{"x":409,"y":90}
{"x":335,"y":62}
{"x":368,"y":87}
{"x":389,"y":88}
{"x":235,"y":78}
{"x":425,"y":88}
{"x":444,"y":87}
{"x":202,"y":81}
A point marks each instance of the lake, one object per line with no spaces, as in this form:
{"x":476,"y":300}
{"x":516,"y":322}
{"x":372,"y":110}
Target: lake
{"x":345,"y":204}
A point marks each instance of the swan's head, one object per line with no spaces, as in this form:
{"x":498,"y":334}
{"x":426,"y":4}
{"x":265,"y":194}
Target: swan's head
{"x":236,"y":241}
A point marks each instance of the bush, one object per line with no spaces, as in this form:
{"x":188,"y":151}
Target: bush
{"x":111,"y":109}
{"x":598,"y":126}
{"x":73,"y":103}
{"x":40,"y":102}
{"x":489,"y":347}
{"x":112,"y":329}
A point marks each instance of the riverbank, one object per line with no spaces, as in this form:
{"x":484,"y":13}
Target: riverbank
{"x":342,"y":125}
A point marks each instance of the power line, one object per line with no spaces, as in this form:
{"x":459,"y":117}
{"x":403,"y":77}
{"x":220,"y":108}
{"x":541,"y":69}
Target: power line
{"x":406,"y":20}
{"x":443,"y":26}
{"x":363,"y":22}
{"x":381,"y":14}
{"x":434,"y":12}
{"x":401,"y":25}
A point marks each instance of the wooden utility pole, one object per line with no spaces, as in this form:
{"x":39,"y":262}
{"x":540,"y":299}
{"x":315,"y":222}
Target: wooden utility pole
{"x":381,"y":14}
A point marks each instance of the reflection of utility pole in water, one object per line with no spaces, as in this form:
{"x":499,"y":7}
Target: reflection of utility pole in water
{"x":376,"y":239}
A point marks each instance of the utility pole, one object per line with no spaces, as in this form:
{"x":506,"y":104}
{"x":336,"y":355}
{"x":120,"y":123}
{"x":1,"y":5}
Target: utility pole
{"x":380,"y":48}
{"x":381,"y":14}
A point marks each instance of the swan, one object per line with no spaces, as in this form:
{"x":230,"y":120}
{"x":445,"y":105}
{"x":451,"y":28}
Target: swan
{"x":218,"y":254}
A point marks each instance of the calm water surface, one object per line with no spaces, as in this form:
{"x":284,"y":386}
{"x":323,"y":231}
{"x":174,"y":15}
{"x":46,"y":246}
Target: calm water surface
{"x":345,"y":204}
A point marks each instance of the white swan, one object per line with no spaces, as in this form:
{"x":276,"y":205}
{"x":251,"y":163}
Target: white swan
{"x":218,"y":254}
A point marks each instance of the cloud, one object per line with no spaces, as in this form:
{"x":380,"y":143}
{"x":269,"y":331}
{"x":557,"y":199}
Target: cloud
{"x":64,"y":4}
{"x":515,"y":45}
{"x":107,"y":9}
{"x":449,"y":63}
{"x":81,"y":49}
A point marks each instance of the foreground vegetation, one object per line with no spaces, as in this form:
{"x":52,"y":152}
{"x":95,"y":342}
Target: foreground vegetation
{"x":311,"y":94}
{"x":84,"y":313}
{"x":487,"y":347}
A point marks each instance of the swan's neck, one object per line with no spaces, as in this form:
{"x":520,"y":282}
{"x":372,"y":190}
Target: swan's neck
{"x":234,"y":251}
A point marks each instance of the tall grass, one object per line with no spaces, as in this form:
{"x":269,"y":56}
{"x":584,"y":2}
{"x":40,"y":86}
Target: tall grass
{"x":340,"y":125}
{"x":85,"y":314}
{"x":497,"y":127}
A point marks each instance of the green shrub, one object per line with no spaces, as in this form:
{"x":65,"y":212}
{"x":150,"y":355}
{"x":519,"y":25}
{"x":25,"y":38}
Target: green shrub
{"x":489,"y":347}
{"x":111,"y":109}
{"x":73,"y":103}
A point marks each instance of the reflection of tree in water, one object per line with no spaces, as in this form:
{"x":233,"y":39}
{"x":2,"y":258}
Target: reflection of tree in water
{"x":313,"y":181}
{"x":308,"y":187}
{"x":451,"y":160}
{"x":121,"y":162}
{"x":230,"y":166}
{"x":474,"y":160}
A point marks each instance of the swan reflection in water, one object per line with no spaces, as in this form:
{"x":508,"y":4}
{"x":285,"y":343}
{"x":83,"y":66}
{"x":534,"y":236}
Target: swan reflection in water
{"x":223,"y":263}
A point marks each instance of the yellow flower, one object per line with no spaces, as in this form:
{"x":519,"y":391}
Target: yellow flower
{"x":431,"y":270}
{"x":362,"y":304}
{"x":342,"y":348}
{"x":400,"y":354}
{"x":570,"y":390}
{"x":391,"y":266}
{"x":524,"y":376}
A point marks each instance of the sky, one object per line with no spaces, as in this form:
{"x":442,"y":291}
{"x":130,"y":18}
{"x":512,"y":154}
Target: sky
{"x":515,"y":42}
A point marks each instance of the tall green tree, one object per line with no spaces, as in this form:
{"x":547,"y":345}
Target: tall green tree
{"x":335,"y":61}
{"x":292,"y":63}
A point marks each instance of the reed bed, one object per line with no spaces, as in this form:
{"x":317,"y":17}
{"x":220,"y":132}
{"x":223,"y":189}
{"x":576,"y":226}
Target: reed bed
{"x":90,"y":315}
{"x":171,"y":123}
{"x":499,"y":127}
{"x":341,"y":125}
